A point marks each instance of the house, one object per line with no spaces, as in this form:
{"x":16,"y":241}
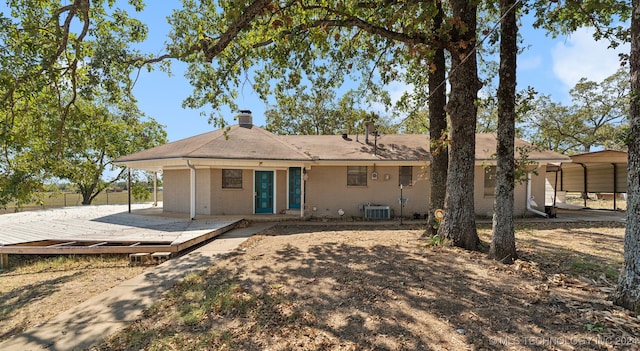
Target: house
{"x":247,"y":170}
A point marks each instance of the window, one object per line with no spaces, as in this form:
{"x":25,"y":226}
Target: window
{"x":232,"y":179}
{"x":490,"y":181}
{"x":357,"y":175}
{"x":405,"y":176}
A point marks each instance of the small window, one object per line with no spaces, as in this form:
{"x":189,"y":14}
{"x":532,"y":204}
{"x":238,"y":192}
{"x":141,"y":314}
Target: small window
{"x":405,"y":176}
{"x":232,"y":179}
{"x":357,"y":175}
{"x":490,"y":181}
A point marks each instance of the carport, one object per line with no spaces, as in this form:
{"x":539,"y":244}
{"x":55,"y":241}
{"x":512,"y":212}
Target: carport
{"x":593,"y":172}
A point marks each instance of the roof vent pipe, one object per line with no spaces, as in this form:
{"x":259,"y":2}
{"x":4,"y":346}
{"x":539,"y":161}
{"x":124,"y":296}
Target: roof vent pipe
{"x":345,"y":134}
{"x":245,"y":119}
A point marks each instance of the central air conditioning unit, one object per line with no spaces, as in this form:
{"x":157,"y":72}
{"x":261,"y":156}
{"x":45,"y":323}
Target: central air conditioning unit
{"x":376,"y":212}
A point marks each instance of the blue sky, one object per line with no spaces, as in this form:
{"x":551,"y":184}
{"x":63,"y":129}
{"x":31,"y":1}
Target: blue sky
{"x":551,"y":66}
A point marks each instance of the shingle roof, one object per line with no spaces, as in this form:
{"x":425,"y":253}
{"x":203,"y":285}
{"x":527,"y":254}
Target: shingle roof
{"x":254,"y":143}
{"x":486,"y":144}
{"x":237,"y":142}
{"x":396,"y":147}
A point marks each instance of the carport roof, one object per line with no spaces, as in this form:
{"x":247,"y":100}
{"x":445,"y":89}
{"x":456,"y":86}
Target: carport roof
{"x":604,"y":156}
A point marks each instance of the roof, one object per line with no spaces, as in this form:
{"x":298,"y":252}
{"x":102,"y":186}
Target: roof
{"x":603,"y":156}
{"x":235,"y":142}
{"x":393,"y":147}
{"x":254,"y":143}
{"x":486,"y":144}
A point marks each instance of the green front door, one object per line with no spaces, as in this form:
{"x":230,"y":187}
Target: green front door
{"x":295,"y":187}
{"x":264,"y":192}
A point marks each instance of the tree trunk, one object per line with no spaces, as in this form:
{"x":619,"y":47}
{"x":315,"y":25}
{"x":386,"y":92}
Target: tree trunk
{"x":86,"y":198}
{"x":437,"y":130}
{"x":627,"y":293}
{"x":459,"y":224}
{"x":503,"y":242}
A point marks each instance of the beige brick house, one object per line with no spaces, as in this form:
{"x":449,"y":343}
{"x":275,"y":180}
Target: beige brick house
{"x":247,"y":170}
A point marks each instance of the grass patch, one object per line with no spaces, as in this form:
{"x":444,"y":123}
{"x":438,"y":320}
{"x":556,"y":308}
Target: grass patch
{"x":580,"y":266}
{"x":200,"y":296}
{"x":46,"y":263}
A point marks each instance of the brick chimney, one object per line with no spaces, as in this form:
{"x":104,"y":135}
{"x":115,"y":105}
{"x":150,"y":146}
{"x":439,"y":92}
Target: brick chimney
{"x":245,"y":119}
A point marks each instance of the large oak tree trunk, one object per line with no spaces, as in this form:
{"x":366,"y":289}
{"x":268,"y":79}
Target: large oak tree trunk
{"x":437,"y":129}
{"x":628,"y":292}
{"x":503,"y":242}
{"x":459,"y":224}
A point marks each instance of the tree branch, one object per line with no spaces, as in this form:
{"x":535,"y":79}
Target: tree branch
{"x":251,"y":12}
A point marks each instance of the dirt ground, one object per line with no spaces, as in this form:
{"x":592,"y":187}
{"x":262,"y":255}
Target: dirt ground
{"x":323,"y":287}
{"x":37,"y":288}
{"x":327,"y":288}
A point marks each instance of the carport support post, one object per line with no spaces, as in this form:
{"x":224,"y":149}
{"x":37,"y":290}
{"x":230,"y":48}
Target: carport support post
{"x":155,"y":189}
{"x":615,"y":185}
{"x":4,"y":261}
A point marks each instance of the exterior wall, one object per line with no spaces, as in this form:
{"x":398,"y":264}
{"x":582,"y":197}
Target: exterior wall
{"x":178,"y":189}
{"x":203,"y":191}
{"x":327,"y":191}
{"x":484,"y":203}
{"x":281,"y":190}
{"x":231,"y":201}
{"x":175,"y":197}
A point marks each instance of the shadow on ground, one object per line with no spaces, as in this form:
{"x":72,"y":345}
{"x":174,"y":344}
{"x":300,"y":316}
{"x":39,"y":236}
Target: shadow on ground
{"x":303,"y":288}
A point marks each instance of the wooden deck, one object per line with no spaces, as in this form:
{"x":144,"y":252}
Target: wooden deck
{"x":105,"y":229}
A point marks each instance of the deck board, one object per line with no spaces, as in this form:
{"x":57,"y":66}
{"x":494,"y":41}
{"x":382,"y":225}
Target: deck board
{"x":103,"y":224}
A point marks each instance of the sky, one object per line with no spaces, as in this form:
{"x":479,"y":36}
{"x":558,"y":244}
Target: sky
{"x":551,"y":66}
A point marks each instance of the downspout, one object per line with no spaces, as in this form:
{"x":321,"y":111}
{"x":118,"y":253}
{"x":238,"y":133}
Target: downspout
{"x":529,"y":208}
{"x":192,"y":193}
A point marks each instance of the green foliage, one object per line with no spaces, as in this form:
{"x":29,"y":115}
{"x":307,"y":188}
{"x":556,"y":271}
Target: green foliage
{"x":596,"y":118}
{"x":56,"y":59}
{"x":289,"y":44}
{"x":95,"y":137}
{"x":595,"y":327}
{"x":608,"y":17}
{"x":141,"y":188}
{"x":488,"y":109}
{"x":435,"y":240}
{"x":309,"y":111}
{"x":417,"y":122}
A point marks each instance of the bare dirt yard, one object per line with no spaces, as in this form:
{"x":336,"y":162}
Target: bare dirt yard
{"x":37,"y":288}
{"x":344,"y":288}
{"x":340,"y":287}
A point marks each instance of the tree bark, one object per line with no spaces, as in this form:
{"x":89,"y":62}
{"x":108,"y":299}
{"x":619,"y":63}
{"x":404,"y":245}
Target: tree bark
{"x":503,"y":242}
{"x":627,"y":293}
{"x":459,"y":224}
{"x":437,"y":129}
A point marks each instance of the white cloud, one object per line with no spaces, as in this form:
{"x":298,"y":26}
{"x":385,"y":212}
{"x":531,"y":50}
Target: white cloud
{"x":581,"y":56}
